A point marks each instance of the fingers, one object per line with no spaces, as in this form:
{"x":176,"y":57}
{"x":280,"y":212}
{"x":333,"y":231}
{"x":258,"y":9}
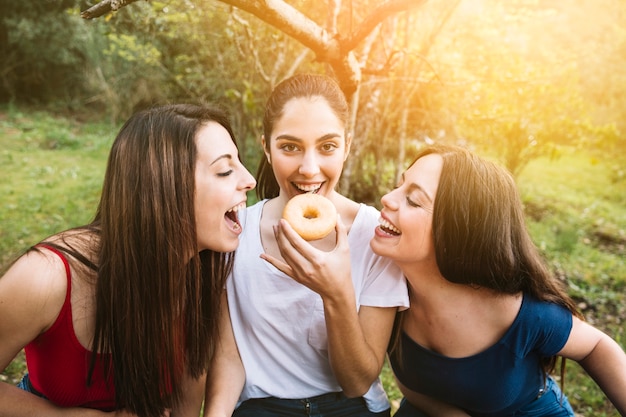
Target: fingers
{"x":288,"y":235}
{"x":304,"y":262}
{"x":293,"y":248}
{"x":342,"y":233}
{"x":286,"y":251}
{"x":278,"y":264}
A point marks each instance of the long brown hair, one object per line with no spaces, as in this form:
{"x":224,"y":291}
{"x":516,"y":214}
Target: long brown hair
{"x":157,"y":297}
{"x":297,"y":86}
{"x":480,"y":234}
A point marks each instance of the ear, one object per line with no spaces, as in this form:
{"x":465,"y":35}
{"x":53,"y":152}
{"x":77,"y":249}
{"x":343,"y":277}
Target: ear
{"x":267,"y":153}
{"x":348,"y":145}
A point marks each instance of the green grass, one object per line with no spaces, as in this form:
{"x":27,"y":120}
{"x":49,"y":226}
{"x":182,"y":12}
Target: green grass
{"x":52,"y":170}
{"x":577,"y":215}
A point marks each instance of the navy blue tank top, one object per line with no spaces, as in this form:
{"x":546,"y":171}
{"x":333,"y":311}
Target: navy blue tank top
{"x":502,"y":378}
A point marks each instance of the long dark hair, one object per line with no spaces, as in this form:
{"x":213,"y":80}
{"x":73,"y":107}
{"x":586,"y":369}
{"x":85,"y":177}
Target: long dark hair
{"x":157,"y":297}
{"x":480,"y":233}
{"x":297,"y":86}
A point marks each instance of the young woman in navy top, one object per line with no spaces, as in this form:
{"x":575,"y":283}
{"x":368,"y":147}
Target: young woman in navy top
{"x":486,"y":319}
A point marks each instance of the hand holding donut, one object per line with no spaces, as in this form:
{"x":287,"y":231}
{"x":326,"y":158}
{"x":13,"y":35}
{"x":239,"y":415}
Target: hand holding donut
{"x":326,"y":273}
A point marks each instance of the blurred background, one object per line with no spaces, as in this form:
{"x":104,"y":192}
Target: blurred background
{"x":539,"y":86}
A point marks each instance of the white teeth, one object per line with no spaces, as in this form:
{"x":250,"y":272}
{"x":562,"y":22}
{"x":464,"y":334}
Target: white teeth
{"x":238,"y":207}
{"x":308,"y":188}
{"x":385,"y":224}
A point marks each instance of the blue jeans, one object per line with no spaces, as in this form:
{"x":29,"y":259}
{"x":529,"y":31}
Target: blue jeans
{"x":27,"y":386}
{"x":549,"y":404}
{"x":334,"y":404}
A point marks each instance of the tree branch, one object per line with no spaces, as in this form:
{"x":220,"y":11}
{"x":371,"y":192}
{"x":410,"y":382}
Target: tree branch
{"x":377,"y":15}
{"x":291,"y":22}
{"x":104,"y":7}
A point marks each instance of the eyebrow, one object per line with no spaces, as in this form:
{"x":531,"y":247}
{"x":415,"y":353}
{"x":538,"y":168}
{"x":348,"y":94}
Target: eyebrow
{"x":226,"y":155}
{"x":413,"y":186}
{"x":327,"y":136}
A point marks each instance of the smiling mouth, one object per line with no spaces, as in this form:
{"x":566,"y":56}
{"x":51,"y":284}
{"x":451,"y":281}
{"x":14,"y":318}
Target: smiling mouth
{"x":388,"y":228}
{"x":308,"y":188}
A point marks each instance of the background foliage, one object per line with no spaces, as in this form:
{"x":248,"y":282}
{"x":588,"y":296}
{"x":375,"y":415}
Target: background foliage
{"x":517,"y":79}
{"x":538,"y":85}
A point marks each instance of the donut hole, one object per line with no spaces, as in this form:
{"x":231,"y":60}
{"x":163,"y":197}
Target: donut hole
{"x":312,"y":216}
{"x":311,"y":213}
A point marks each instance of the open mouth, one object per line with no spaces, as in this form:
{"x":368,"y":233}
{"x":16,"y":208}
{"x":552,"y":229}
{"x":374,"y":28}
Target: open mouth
{"x":308,"y":188}
{"x":233,"y":215}
{"x":388,"y":228}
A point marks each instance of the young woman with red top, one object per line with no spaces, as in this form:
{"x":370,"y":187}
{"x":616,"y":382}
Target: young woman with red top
{"x":120,"y":317}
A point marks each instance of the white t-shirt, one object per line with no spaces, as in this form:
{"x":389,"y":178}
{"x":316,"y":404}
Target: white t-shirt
{"x":279,"y":324}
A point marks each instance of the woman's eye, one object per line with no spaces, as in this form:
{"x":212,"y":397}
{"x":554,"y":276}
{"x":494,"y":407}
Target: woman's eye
{"x":289,"y":148}
{"x":412,"y":203}
{"x":225,"y":174}
{"x":329,"y":147}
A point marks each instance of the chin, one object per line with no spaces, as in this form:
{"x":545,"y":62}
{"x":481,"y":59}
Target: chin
{"x":382,"y":248}
{"x":229,"y":245}
{"x":376,"y":247}
{"x":222,"y":245}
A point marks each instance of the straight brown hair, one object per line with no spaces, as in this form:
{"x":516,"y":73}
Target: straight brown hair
{"x":480,"y":234}
{"x":157,"y":296}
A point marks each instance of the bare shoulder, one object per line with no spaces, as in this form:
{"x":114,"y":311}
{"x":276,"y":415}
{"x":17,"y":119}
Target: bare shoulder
{"x":32,"y":291}
{"x":347,"y":209}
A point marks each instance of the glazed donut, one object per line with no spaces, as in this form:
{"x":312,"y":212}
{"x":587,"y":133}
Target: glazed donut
{"x":310,"y":215}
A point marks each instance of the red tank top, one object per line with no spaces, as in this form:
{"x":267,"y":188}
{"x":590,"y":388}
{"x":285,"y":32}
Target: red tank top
{"x":58,"y":364}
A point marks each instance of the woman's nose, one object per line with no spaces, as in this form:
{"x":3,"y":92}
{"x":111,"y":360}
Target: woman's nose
{"x":247,"y":180}
{"x":309,"y":165}
{"x":389,"y":200}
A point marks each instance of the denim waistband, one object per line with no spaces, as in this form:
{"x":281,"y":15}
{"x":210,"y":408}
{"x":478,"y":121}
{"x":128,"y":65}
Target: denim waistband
{"x":333,"y":404}
{"x":328,"y":397}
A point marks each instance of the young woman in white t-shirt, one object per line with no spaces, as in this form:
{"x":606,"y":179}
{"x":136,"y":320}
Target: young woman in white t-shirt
{"x":311,"y":320}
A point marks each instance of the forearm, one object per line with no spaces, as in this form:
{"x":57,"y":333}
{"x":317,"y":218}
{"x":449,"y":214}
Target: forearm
{"x":223,"y":388}
{"x":355,"y":362}
{"x":429,"y":405}
{"x":435,"y":408}
{"x":15,"y":402}
{"x":226,"y":376}
{"x":192,"y":398}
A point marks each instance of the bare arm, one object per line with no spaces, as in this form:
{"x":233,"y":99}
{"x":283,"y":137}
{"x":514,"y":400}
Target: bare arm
{"x":357,"y":346}
{"x":602,"y":358}
{"x":193,"y":394}
{"x":226,"y":376}
{"x":21,"y":404}
{"x":356,"y":340}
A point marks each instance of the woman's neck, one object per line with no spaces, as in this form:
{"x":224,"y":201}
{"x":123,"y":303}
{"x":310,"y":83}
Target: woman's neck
{"x":456,"y":320}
